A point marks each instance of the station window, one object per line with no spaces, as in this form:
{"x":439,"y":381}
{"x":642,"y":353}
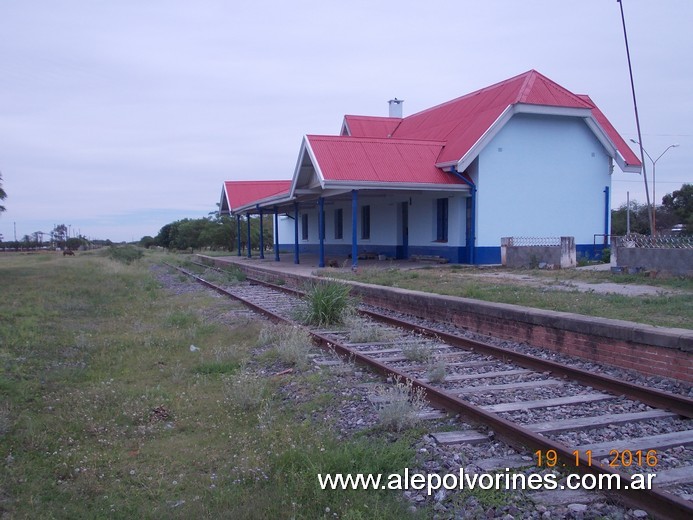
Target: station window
{"x":304,"y":226}
{"x":442,"y":220}
{"x":365,"y":222}
{"x":338,"y":223}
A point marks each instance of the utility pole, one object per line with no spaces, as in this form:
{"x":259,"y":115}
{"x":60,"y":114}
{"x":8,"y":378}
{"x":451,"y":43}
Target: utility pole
{"x":654,"y":179}
{"x":637,"y":122}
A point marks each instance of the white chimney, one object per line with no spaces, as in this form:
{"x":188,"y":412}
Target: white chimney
{"x":396,"y":107}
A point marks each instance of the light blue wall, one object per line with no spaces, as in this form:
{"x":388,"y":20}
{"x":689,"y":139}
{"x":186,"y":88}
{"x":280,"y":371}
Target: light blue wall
{"x":542,"y":176}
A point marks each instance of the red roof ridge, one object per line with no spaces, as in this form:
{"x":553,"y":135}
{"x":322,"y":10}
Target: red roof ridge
{"x":474,"y":93}
{"x":354,"y":116}
{"x":384,"y":140}
{"x":526,"y":87}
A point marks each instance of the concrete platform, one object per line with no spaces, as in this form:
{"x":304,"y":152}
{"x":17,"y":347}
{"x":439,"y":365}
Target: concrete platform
{"x":309,"y":263}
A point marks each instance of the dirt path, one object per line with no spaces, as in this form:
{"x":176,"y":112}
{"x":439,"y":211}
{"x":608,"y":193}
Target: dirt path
{"x":576,"y":285}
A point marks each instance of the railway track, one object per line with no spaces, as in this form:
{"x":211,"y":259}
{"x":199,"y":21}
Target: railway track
{"x":608,"y":428}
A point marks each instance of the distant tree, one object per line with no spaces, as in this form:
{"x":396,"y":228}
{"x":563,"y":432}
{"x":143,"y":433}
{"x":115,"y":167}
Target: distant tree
{"x":3,"y":195}
{"x":639,"y":219}
{"x":219,"y":233}
{"x":680,"y":204}
{"x":147,"y":241}
{"x":75,"y":243}
{"x":60,"y":235}
{"x":166,"y":235}
{"x":188,"y":235}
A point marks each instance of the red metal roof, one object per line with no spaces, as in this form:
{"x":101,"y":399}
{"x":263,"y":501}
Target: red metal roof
{"x":463,"y":121}
{"x":362,"y":159}
{"x":368,"y":126}
{"x":242,"y":193}
{"x":385,"y":150}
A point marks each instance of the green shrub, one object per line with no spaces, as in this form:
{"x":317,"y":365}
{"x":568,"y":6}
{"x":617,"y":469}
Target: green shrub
{"x":606,"y":255}
{"x":326,"y":303}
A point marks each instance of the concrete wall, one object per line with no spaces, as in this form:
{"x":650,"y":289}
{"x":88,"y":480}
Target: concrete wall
{"x":674,"y":261}
{"x":647,"y":349}
{"x":562,"y":256}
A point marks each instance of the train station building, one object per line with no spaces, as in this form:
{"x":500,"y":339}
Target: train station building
{"x":522,"y":158}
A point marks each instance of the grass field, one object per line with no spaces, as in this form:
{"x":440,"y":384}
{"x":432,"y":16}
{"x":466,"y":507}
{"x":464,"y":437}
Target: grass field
{"x":670,"y":306}
{"x":108,"y":412}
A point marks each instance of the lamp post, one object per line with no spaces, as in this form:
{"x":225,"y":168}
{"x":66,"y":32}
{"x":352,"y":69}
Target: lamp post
{"x":654,"y":168}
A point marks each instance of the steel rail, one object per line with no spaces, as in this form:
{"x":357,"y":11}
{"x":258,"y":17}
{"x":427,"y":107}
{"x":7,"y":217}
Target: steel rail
{"x":679,"y":404}
{"x":655,"y":500}
{"x":656,"y":398}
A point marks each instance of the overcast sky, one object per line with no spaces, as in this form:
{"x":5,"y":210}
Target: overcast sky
{"x":118,"y":117}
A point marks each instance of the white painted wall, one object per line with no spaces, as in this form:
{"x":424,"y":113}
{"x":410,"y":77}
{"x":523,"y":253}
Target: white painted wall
{"x":542,"y":176}
{"x":422,"y":219}
{"x":385,"y":220}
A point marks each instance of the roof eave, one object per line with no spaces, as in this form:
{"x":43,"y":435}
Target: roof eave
{"x":611,"y":148}
{"x":473,"y":152}
{"x":373,"y":185}
{"x":224,"y":198}
{"x":525,"y":108}
{"x":305,"y":148}
{"x":274,"y":200}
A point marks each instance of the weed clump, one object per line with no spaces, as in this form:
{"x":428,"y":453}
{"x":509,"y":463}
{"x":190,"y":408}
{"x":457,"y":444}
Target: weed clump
{"x":365,"y":331}
{"x":399,"y":405}
{"x":418,"y":352}
{"x":228,"y":275}
{"x":124,"y":254}
{"x":245,"y":390}
{"x":326,"y":303}
{"x":291,"y":344}
{"x":436,"y":371}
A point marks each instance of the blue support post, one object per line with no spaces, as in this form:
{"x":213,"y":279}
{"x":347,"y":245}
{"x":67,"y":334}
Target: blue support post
{"x":262,"y":238}
{"x":354,"y":228}
{"x":296,"y":256}
{"x":238,"y":233}
{"x":471,"y":237}
{"x":607,"y":211}
{"x":276,"y":234}
{"x":321,"y":230}
{"x":250,"y":254}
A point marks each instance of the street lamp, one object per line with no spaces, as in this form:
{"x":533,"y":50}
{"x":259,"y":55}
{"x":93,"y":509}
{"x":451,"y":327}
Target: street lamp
{"x":654,"y":167}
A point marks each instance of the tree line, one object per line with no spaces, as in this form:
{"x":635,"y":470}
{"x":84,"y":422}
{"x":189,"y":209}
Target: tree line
{"x":674,"y":213}
{"x":214,"y":232}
